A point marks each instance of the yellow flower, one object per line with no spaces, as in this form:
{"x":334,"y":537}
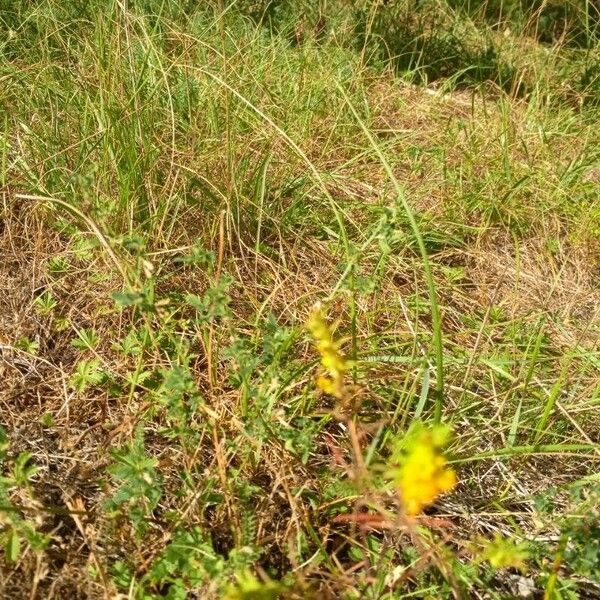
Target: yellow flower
{"x":333,"y":362}
{"x":422,"y":473}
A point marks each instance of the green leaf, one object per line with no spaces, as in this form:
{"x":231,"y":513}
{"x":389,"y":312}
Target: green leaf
{"x":45,"y":303}
{"x":12,"y":548}
{"x":23,"y":471}
{"x":128,"y":298}
{"x":88,"y":372}
{"x":87,"y":339}
{"x":27,"y":345}
{"x":214,"y":303}
{"x":503,"y":553}
{"x":3,"y":442}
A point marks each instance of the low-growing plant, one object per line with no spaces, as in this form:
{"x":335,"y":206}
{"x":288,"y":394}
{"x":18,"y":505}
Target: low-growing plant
{"x":18,"y":530}
{"x":138,"y":485}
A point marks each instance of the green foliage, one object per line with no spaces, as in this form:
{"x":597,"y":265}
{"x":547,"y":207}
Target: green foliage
{"x":45,"y":303}
{"x":28,"y":345}
{"x":580,"y":525}
{"x":189,"y":562}
{"x":142,"y":300}
{"x":571,"y":22}
{"x":502,"y":553}
{"x":299,"y":437}
{"x":197,"y":255}
{"x":88,"y":373}
{"x":87,"y":339}
{"x":214,"y":304}
{"x":179,"y":394}
{"x":15,"y":528}
{"x":250,"y":588}
{"x":465,"y":41}
{"x":188,"y":558}
{"x":132,"y":344}
{"x":257,"y":368}
{"x":139,"y":488}
{"x":58,"y":265}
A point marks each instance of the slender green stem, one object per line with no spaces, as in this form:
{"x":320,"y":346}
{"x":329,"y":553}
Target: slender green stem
{"x":557,"y":388}
{"x":529,"y":449}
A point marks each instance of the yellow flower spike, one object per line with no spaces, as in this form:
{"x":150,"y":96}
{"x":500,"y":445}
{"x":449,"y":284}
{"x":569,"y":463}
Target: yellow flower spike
{"x":332,"y":361}
{"x":420,"y":470}
{"x":326,"y":385}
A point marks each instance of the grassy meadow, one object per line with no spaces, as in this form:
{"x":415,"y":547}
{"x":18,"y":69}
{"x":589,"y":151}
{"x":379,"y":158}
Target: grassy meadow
{"x":299,"y":299}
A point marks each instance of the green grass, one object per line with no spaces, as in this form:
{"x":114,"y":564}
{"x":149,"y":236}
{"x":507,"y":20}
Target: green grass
{"x":181,"y":182}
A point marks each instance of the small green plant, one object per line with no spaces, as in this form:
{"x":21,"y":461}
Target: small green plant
{"x":88,"y":373}
{"x":132,"y":344}
{"x":15,"y":529}
{"x":87,"y":339}
{"x":83,"y":247}
{"x":214,"y":304}
{"x":189,"y":561}
{"x":142,"y":300}
{"x":197,"y":255}
{"x":138,"y":484}
{"x":45,"y":303}
{"x":61,"y":323}
{"x":28,"y":345}
{"x":577,"y":552}
{"x":58,"y":265}
{"x":179,"y":395}
{"x":502,"y":553}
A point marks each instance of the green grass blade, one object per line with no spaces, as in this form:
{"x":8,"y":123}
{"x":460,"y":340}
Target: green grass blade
{"x":433,"y":298}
